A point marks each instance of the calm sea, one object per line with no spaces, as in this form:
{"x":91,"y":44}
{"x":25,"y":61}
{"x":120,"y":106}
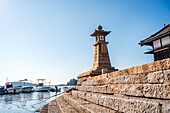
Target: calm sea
{"x":25,"y":102}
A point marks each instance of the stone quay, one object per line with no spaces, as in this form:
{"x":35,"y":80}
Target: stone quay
{"x":104,"y":89}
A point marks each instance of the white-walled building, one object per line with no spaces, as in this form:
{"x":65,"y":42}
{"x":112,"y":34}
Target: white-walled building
{"x":160,"y":42}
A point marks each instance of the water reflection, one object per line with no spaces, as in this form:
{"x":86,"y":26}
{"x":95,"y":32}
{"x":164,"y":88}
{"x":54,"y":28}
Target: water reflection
{"x":25,"y":102}
{"x":41,"y":95}
{"x":8,"y":99}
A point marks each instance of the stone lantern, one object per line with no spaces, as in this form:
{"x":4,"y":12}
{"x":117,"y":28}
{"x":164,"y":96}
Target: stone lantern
{"x":101,"y":55}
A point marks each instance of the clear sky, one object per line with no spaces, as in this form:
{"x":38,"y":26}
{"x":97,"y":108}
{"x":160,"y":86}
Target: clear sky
{"x":51,"y":38}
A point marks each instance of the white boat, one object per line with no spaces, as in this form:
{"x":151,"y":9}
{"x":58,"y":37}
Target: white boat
{"x":11,"y":89}
{"x":40,"y":87}
{"x":26,"y":89}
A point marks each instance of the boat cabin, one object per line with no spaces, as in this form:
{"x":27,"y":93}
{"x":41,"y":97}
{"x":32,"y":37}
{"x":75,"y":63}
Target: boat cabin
{"x":40,"y":84}
{"x":160,"y":42}
{"x":8,"y":85}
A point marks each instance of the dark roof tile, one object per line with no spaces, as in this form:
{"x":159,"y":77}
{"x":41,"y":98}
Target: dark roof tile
{"x":161,"y":33}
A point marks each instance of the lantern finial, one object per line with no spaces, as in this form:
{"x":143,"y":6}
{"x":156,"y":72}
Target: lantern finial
{"x":99,"y":27}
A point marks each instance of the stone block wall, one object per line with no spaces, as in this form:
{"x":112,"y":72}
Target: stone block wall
{"x":144,"y":88}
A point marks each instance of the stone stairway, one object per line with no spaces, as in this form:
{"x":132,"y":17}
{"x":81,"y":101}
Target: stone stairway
{"x":67,"y":103}
{"x":139,"y":89}
{"x":83,"y":106}
{"x":59,"y":105}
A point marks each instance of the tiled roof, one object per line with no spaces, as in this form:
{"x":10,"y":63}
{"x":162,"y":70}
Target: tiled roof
{"x":161,"y":33}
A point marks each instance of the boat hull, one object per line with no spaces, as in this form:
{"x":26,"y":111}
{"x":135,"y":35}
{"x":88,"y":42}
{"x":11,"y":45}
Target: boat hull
{"x":14,"y":90}
{"x":41,"y":89}
{"x":27,"y":89}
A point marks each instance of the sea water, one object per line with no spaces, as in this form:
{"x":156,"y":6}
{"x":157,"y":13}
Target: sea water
{"x":25,"y":102}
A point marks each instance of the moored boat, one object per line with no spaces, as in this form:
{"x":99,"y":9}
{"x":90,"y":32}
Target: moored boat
{"x":12,"y":89}
{"x":41,"y":87}
{"x":26,"y":88}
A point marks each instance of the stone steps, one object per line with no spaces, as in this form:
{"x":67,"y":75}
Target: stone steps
{"x":52,"y":107}
{"x":83,"y":106}
{"x":150,"y":85}
{"x":125,"y":103}
{"x":158,"y":77}
{"x":63,"y":106}
{"x":139,"y":89}
{"x":142,"y":90}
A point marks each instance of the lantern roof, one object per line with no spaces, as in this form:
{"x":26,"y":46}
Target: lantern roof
{"x":100,"y":32}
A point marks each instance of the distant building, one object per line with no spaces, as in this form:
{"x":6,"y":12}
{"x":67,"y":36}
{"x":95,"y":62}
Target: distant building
{"x":160,"y":42}
{"x":72,"y":82}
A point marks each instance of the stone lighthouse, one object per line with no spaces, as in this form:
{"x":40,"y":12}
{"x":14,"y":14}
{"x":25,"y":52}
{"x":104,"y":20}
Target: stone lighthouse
{"x":101,"y":63}
{"x":101,"y":56}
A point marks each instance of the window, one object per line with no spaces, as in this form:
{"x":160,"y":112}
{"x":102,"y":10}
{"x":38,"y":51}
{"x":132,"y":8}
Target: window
{"x":157,"y":44}
{"x":165,"y":41}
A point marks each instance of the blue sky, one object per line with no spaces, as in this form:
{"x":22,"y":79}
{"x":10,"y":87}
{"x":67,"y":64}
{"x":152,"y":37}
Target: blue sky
{"x":51,"y":38}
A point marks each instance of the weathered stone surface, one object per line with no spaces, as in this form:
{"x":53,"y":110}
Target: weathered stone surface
{"x":74,"y":93}
{"x":80,"y":80}
{"x":155,"y":66}
{"x":128,"y":79}
{"x":146,"y":68}
{"x":113,"y":74}
{"x":101,"y":81}
{"x":80,"y":94}
{"x":77,"y":105}
{"x":137,"y":70}
{"x":167,"y":76}
{"x":150,"y":80}
{"x":83,"y":106}
{"x":98,"y":89}
{"x":146,"y":90}
{"x":94,"y":82}
{"x":166,"y":107}
{"x":126,"y":89}
{"x":92,"y":97}
{"x":128,"y":104}
{"x":153,"y":78}
{"x":89,"y":83}
{"x":98,"y":77}
{"x":157,"y":90}
{"x":84,"y":74}
{"x":165,"y":64}
{"x":52,"y":107}
{"x":63,"y":106}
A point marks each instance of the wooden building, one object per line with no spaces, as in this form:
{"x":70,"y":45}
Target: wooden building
{"x":160,"y":42}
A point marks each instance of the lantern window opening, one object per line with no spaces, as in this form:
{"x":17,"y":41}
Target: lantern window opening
{"x":101,"y":38}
